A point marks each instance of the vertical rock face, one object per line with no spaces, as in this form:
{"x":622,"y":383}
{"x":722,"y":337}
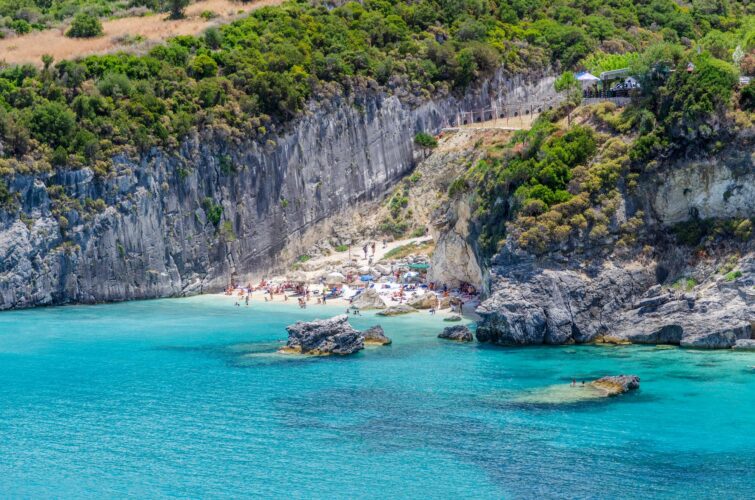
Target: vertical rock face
{"x":454,"y":259}
{"x":160,"y":231}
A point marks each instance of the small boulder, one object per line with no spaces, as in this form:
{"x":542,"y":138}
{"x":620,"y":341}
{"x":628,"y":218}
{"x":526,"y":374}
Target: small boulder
{"x":324,"y":337}
{"x":452,"y":318}
{"x":397,"y":310}
{"x":724,"y":337}
{"x":375,"y":335}
{"x":744,"y":345}
{"x":424,"y":301}
{"x":460,"y":333}
{"x":617,"y":384}
{"x":369,"y":299}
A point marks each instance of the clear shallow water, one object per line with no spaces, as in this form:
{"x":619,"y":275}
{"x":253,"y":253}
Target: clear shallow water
{"x":186,"y":398}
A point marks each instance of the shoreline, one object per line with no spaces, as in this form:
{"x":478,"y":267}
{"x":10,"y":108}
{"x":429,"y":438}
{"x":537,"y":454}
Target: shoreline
{"x":258,"y":298}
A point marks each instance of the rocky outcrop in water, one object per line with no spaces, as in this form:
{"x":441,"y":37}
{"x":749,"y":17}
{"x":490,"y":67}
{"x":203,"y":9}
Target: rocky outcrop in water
{"x":324,"y":337}
{"x":620,"y":302}
{"x":617,"y":384}
{"x":375,"y":335}
{"x":459,"y":333}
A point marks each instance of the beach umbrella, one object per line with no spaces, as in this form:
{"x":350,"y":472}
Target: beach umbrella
{"x":419,"y":266}
{"x":335,"y":278}
{"x":411,"y":274}
{"x":366,"y":277}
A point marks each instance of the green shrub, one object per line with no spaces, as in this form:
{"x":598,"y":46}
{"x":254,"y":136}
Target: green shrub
{"x":177,"y":8}
{"x":227,"y":232}
{"x":395,"y":228}
{"x":203,"y":66}
{"x":743,"y":230}
{"x":303,"y":258}
{"x":52,"y":123}
{"x":732,"y":275}
{"x":20,"y":26}
{"x":341,"y":248}
{"x":115,"y":85}
{"x":84,"y":26}
{"x":747,"y":97}
{"x":212,"y":211}
{"x":684,"y":284}
{"x":425,"y":141}
{"x":7,"y":199}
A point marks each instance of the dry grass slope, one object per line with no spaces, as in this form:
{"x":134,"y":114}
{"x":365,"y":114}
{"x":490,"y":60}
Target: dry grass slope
{"x":153,"y":29}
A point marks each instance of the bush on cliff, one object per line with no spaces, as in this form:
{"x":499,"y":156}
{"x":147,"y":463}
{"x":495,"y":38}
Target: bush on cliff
{"x":84,"y":25}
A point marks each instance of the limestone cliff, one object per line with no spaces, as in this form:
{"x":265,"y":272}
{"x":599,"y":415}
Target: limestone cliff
{"x":218,"y":209}
{"x":653,"y":289}
{"x":656,"y":290}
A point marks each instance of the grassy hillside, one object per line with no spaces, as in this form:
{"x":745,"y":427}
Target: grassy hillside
{"x":560,"y":184}
{"x":255,"y":74}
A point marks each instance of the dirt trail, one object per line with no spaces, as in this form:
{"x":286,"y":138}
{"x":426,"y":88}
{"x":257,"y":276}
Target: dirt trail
{"x":522,"y":122}
{"x":154,"y":28}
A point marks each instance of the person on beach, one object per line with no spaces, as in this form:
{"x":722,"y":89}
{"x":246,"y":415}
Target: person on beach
{"x":247,"y":299}
{"x":574,"y":382}
{"x":373,"y":248}
{"x":385,"y":243}
{"x":364,"y":249}
{"x":323,"y":299}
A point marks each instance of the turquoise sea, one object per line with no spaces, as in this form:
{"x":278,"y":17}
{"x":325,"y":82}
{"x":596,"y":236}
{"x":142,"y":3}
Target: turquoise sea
{"x":187,"y":398}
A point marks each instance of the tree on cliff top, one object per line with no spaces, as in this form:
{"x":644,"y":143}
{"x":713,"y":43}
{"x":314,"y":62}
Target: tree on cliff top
{"x":572,"y":89}
{"x":177,"y":8}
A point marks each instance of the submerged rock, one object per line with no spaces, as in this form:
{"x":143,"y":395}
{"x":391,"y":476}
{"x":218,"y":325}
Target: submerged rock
{"x":369,"y":299}
{"x":617,"y":384}
{"x":459,"y":333}
{"x":452,"y":318}
{"x":375,"y":335}
{"x":397,"y":310}
{"x":324,"y":337}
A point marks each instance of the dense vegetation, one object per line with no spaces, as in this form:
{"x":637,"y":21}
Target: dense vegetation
{"x":22,"y":16}
{"x":557,"y":186}
{"x":253,"y":75}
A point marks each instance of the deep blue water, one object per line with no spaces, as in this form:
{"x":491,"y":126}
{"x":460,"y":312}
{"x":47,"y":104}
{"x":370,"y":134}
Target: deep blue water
{"x":186,"y":398}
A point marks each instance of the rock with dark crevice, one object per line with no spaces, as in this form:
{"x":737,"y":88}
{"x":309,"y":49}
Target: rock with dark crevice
{"x":459,"y":333}
{"x":324,"y":337}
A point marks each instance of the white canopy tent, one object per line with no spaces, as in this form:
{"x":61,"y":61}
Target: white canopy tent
{"x":587,"y":79}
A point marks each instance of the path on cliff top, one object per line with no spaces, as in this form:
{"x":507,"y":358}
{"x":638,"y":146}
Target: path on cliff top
{"x":522,"y":122}
{"x":153,"y":29}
